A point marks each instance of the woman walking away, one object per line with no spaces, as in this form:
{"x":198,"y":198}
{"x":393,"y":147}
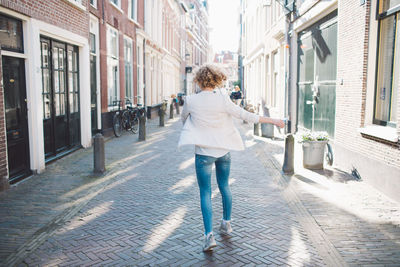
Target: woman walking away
{"x":208,"y":124}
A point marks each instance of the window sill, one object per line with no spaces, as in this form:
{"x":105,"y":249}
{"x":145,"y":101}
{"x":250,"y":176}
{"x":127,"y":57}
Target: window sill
{"x":117,"y":7}
{"x":78,"y":5}
{"x":134,"y":22}
{"x":381,"y":132}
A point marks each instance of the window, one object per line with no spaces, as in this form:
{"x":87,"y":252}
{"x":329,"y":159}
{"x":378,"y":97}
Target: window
{"x":388,"y":63}
{"x":11,"y":34}
{"x":139,"y":74}
{"x":128,"y":69}
{"x":275,"y":78}
{"x":132,"y":9}
{"x":92,"y":43}
{"x":93,"y":3}
{"x":112,"y":66}
{"x":117,"y":3}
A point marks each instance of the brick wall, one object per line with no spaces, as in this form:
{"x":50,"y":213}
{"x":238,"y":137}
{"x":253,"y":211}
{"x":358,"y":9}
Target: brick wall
{"x":60,"y":13}
{"x":350,"y":97}
{"x":3,"y":139}
{"x":108,"y":14}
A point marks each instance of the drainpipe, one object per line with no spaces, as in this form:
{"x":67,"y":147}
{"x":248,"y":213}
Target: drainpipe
{"x":144,"y":75}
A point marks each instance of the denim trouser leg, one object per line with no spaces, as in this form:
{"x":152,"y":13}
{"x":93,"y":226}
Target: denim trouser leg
{"x":203,"y":172}
{"x":223,"y":166}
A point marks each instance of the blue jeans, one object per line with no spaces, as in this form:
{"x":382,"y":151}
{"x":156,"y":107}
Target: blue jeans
{"x":203,"y":171}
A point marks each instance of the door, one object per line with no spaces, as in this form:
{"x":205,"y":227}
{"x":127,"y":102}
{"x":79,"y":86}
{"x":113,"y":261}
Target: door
{"x":16,"y":117}
{"x":317,"y":61}
{"x":61,"y":118}
{"x":93,"y":93}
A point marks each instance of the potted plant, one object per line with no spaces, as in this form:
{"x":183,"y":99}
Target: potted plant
{"x":314,"y":149}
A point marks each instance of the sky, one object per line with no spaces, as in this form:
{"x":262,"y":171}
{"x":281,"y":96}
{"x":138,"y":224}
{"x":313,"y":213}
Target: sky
{"x":224,"y":24}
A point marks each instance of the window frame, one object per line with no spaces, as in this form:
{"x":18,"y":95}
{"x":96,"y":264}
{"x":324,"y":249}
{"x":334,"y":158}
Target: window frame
{"x":380,"y":16}
{"x":128,"y":41}
{"x":22,"y":50}
{"x":130,"y":15}
{"x":94,"y":3}
{"x":112,"y":62}
{"x":116,"y":5}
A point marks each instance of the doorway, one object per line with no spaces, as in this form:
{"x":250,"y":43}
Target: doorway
{"x":317,"y":61}
{"x":16,"y":117}
{"x":61,"y":116}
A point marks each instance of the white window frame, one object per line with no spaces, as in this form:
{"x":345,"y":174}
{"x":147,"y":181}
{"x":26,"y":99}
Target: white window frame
{"x":129,"y":41}
{"x":117,"y":5}
{"x":94,"y":3}
{"x":130,"y":15}
{"x":112,"y":62}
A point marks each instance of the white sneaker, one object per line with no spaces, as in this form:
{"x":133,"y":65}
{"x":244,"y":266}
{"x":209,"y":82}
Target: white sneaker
{"x":225,"y":227}
{"x":209,"y":242}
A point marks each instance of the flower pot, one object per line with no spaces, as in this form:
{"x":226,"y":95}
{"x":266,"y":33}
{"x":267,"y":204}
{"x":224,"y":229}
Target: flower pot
{"x":313,"y":154}
{"x":267,"y":130}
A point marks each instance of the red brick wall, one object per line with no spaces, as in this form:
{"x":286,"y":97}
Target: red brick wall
{"x":60,"y":13}
{"x":3,"y":139}
{"x":109,"y":14}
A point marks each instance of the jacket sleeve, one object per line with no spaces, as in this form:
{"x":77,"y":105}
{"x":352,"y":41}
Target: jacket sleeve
{"x":239,"y":112}
{"x":185,"y":112}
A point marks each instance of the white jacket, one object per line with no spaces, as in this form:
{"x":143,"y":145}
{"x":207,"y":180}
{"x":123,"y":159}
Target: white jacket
{"x":207,"y":119}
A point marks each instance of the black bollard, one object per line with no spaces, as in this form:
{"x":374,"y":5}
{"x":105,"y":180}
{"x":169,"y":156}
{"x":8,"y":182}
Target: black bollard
{"x":99,"y":154}
{"x":288,"y":162}
{"x":171,"y":111}
{"x":142,"y":125}
{"x":257,"y":129}
{"x":177,"y":107}
{"x":161,"y":114}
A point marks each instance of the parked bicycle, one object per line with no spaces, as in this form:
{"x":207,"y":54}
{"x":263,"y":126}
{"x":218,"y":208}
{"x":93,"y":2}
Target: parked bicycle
{"x":117,"y":119}
{"x":127,"y":119}
{"x":130,"y":117}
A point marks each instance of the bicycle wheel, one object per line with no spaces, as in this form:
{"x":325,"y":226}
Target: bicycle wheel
{"x":126,"y":122}
{"x":135,"y":124}
{"x":117,"y":127}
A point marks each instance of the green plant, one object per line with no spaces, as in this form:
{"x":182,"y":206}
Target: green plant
{"x":313,"y":136}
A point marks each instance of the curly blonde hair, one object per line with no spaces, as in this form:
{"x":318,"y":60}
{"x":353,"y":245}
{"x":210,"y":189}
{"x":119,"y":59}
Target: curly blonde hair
{"x":209,"y":76}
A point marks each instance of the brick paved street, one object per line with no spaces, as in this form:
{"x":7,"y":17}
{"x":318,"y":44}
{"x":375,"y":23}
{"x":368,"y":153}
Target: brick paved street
{"x":145,"y":211}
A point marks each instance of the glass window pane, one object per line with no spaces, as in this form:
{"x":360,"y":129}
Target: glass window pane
{"x":57,"y":104}
{"x":62,"y":82}
{"x":385,"y":5}
{"x":92,"y":42}
{"x":46,"y":80}
{"x":76,"y":102}
{"x":61,"y":58}
{"x":75,"y":61}
{"x":71,"y":102}
{"x":11,"y":34}
{"x":76,"y":82}
{"x":46,"y":104}
{"x":45,"y":58}
{"x":56,"y":82}
{"x":385,"y":68}
{"x":62,"y":104}
{"x":55,"y":57}
{"x":70,"y":60}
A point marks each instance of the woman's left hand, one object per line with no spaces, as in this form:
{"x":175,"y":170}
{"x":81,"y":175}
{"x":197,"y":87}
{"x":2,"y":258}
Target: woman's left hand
{"x":279,"y":123}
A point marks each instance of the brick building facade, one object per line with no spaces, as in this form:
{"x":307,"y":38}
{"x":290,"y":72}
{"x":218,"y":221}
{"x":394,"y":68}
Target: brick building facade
{"x":116,"y":23}
{"x":346,"y":52}
{"x":45,"y":56}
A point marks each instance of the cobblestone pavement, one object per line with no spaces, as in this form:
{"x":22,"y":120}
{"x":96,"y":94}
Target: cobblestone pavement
{"x":145,"y":211}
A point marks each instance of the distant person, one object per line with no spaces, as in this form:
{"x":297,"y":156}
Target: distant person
{"x":208,"y":125}
{"x":237,"y":94}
